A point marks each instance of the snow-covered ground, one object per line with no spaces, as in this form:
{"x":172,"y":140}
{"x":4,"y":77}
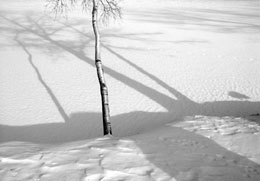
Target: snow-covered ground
{"x":184,"y":87}
{"x":198,"y":149}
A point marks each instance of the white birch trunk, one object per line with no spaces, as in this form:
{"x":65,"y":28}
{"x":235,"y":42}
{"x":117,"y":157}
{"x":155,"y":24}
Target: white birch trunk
{"x":100,"y":73}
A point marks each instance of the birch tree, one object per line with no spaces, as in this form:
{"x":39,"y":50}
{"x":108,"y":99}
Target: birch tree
{"x":100,"y":10}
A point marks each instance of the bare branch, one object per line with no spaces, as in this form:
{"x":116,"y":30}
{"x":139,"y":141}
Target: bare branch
{"x":110,"y":9}
{"x":59,"y":7}
{"x":107,"y":8}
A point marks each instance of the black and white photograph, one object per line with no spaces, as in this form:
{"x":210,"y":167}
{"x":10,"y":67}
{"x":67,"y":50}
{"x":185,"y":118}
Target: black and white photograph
{"x":130,"y":90}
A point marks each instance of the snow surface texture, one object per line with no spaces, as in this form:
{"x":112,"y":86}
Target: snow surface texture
{"x":164,"y":63}
{"x":173,"y":152}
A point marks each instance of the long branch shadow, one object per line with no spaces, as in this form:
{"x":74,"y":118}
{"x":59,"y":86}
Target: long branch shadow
{"x":47,"y":88}
{"x":233,"y":108}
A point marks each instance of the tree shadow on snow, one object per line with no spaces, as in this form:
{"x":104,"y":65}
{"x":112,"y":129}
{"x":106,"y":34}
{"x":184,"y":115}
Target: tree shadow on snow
{"x":76,"y":125}
{"x":79,"y":125}
{"x":241,"y":20}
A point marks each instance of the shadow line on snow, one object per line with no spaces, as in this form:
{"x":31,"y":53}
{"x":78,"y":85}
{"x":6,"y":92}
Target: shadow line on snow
{"x":47,"y":88}
{"x":203,"y":19}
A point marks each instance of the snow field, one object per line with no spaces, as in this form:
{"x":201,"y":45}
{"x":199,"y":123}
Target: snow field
{"x":165,"y":64}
